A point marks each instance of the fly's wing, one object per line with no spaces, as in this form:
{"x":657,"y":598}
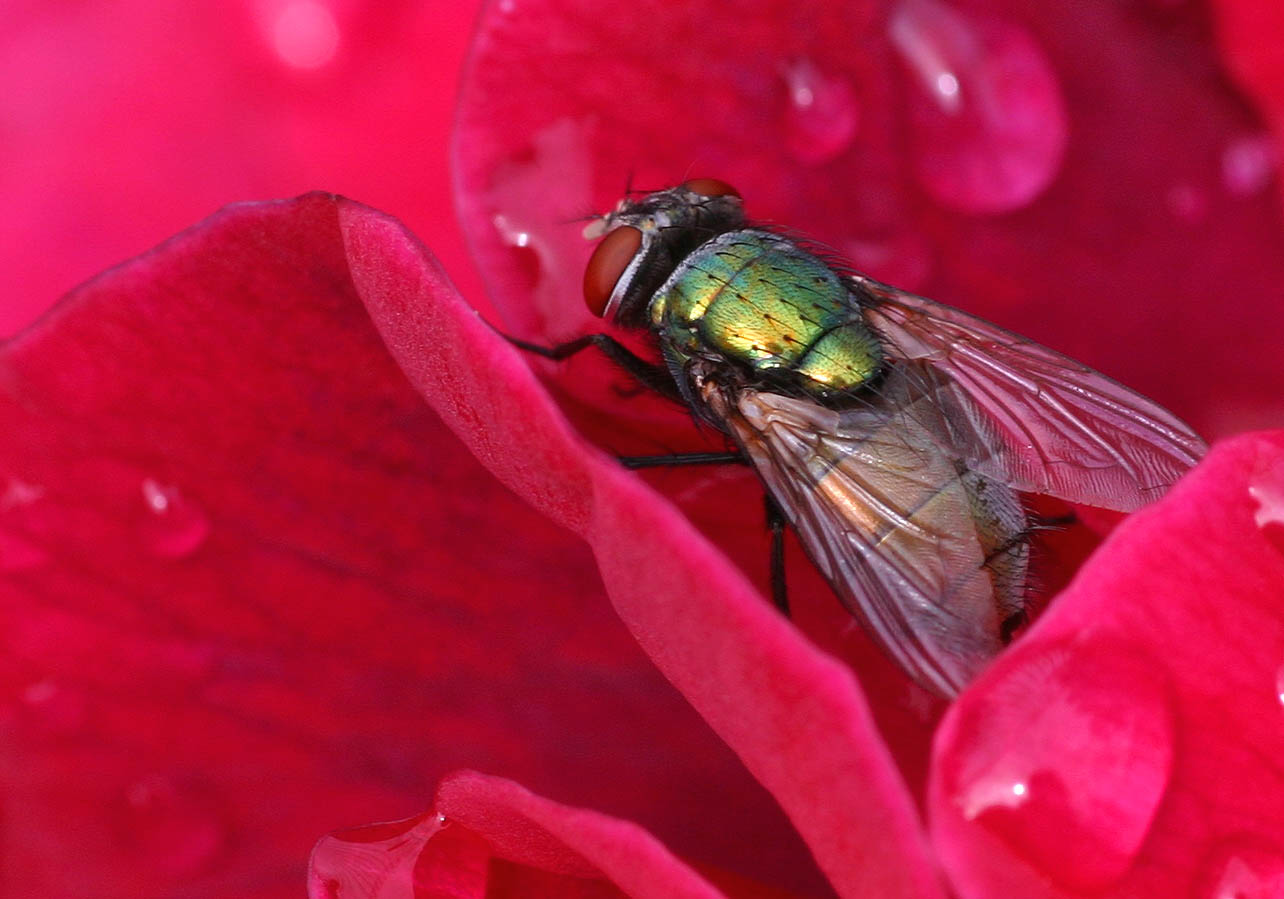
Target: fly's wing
{"x":1041,"y":422}
{"x":877,"y":498}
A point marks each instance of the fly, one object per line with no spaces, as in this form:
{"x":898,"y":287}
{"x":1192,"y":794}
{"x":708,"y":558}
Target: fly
{"x":894,"y":434}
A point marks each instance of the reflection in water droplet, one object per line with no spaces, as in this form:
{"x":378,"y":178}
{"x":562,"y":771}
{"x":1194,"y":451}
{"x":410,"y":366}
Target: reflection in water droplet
{"x":173,"y":526}
{"x":171,"y":827}
{"x":1249,"y":163}
{"x":1076,"y":794}
{"x":1188,"y":203}
{"x":988,"y":122}
{"x":822,"y":115}
{"x":1279,"y":684}
{"x":1245,"y":867}
{"x":305,"y":35}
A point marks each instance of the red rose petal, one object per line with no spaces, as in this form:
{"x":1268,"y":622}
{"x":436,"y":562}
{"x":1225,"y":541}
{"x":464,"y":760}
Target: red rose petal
{"x":259,"y":591}
{"x":1127,"y":745}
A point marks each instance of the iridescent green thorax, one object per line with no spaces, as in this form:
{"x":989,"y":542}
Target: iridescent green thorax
{"x":758,"y":298}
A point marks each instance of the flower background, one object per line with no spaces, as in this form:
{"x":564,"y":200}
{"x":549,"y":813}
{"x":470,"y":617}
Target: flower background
{"x":256,"y":591}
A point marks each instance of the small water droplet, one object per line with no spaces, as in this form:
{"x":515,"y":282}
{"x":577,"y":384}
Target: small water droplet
{"x":530,"y":202}
{"x":1244,"y":867}
{"x":173,"y":525}
{"x":346,"y":862}
{"x":172,"y":827}
{"x":1279,"y":684}
{"x":1076,"y":794}
{"x":823,"y":113}
{"x":305,"y":34}
{"x":1188,"y":203}
{"x":1266,"y":492}
{"x":54,"y":709}
{"x":20,"y":548}
{"x":988,"y":122}
{"x":1249,"y":163}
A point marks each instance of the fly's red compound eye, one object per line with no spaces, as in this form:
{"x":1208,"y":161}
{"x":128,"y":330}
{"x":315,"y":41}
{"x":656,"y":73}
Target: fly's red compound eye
{"x":711,"y":187}
{"x":607,"y":264}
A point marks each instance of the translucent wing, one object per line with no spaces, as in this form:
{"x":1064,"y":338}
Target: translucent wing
{"x":1040,"y":421}
{"x":879,"y":501}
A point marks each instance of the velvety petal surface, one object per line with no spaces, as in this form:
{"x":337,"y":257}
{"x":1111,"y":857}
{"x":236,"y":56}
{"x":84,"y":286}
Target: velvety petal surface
{"x":126,"y":123}
{"x":253,"y":590}
{"x":1130,"y":744}
{"x":794,"y":715}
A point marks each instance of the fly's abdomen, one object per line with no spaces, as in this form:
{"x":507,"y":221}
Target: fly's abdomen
{"x":759,"y":299}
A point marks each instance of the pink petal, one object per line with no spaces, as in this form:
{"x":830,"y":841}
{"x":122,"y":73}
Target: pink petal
{"x":794,"y":715}
{"x":254,"y":590}
{"x":1128,"y":745}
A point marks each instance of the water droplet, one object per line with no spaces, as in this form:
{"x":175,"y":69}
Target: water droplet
{"x":305,"y":34}
{"x":823,"y":113}
{"x":987,"y":120}
{"x":348,"y":862}
{"x":1249,"y":163}
{"x":171,"y":827}
{"x":54,"y":709}
{"x":1266,"y":491}
{"x":1188,"y":203}
{"x":530,"y":203}
{"x":1076,"y":793}
{"x":172,"y":526}
{"x":1279,"y":684}
{"x":1245,"y":867}
{"x":20,"y":550}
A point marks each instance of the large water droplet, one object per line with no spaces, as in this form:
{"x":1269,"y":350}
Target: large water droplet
{"x":1066,"y":759}
{"x":304,"y":34}
{"x":823,"y":113}
{"x":1244,"y":868}
{"x":173,"y":828}
{"x":1266,"y":491}
{"x":173,"y":525}
{"x":1249,"y":163}
{"x":392,"y":859}
{"x":987,"y":118}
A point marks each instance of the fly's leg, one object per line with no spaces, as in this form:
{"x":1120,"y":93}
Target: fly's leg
{"x":776,"y":524}
{"x":673,"y":460}
{"x":649,"y":374}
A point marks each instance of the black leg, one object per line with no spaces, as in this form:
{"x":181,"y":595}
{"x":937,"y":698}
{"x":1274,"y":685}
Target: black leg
{"x":673,"y":460}
{"x":776,"y":524}
{"x":656,"y":377}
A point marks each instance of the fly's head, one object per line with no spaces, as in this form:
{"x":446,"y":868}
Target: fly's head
{"x":643,"y":240}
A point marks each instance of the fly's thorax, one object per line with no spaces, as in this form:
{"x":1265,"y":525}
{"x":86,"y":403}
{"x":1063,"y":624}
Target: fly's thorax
{"x":760,"y":300}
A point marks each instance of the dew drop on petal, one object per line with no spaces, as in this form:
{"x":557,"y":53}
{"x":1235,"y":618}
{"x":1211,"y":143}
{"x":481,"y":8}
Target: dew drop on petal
{"x":172,"y":525}
{"x":1066,"y":760}
{"x":1279,"y":684}
{"x":822,"y":115}
{"x":171,"y":827}
{"x":54,"y":709}
{"x":987,"y":118}
{"x":1245,"y":867}
{"x":305,"y":34}
{"x":1266,"y":492}
{"x":378,"y":859}
{"x":1187,"y":203}
{"x":20,"y":548}
{"x":1249,"y":163}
